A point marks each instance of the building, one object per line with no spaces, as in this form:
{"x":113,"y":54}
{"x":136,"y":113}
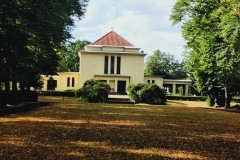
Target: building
{"x":111,"y":59}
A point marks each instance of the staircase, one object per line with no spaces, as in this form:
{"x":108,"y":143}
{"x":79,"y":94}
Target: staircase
{"x":119,"y":99}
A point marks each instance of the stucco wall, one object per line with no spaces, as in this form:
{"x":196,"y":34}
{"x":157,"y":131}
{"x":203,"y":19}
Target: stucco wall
{"x":133,"y":65}
{"x":91,"y":64}
{"x":154,"y":79}
{"x":62,"y":80}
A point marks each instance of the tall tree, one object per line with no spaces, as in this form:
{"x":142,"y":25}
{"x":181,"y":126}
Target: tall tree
{"x":164,"y":64}
{"x":212,"y":30}
{"x":69,"y":56}
{"x":30,"y":34}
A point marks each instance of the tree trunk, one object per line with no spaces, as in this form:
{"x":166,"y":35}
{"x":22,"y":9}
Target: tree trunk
{"x":14,"y":85}
{"x":7,"y":86}
{"x":227,"y":98}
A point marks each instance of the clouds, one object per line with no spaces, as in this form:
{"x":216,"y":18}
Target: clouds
{"x":143,"y":23}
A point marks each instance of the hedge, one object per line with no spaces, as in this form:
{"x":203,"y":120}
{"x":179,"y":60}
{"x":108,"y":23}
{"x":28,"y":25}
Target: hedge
{"x":187,"y":98}
{"x":147,"y":93}
{"x":58,"y":93}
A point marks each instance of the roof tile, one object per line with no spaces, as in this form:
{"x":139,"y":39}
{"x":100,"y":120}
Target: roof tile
{"x":112,"y":39}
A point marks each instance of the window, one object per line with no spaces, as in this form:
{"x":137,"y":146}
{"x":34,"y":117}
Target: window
{"x":106,"y":65}
{"x":105,"y":81}
{"x":68,"y":81}
{"x":73,"y":81}
{"x":112,"y":64}
{"x":118,"y":65}
{"x":148,"y":81}
{"x":153,"y":81}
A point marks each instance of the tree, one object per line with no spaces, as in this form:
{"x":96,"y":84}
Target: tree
{"x":164,"y":64}
{"x":69,"y":56}
{"x":211,"y":29}
{"x":30,"y":34}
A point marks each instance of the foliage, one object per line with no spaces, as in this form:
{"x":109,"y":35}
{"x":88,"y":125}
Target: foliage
{"x":67,"y":93}
{"x":133,"y":91}
{"x":211,"y":29}
{"x":152,"y":94}
{"x":164,"y":64}
{"x":147,"y":93}
{"x":94,"y":91}
{"x":186,"y":98}
{"x":180,"y":90}
{"x":210,"y":101}
{"x":69,"y":56}
{"x":30,"y":34}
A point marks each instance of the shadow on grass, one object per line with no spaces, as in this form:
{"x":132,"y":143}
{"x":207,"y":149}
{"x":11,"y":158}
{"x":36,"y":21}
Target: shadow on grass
{"x":176,"y":103}
{"x":231,"y":110}
{"x":23,"y":107}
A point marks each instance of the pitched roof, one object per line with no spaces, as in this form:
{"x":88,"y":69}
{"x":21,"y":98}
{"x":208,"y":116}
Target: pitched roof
{"x":112,"y":39}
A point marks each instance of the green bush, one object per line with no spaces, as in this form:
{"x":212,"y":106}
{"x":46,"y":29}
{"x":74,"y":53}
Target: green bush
{"x":186,"y":98}
{"x":94,"y":91}
{"x":67,"y":93}
{"x":152,"y":94}
{"x":180,"y":90}
{"x":210,"y":101}
{"x":147,"y":93}
{"x":133,"y":91}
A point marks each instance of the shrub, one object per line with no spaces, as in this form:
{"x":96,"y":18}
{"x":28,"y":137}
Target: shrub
{"x":180,"y":90}
{"x":67,"y":93}
{"x":133,"y":91}
{"x":210,"y":101}
{"x":152,"y":94}
{"x":186,"y":98}
{"x":94,"y":91}
{"x":147,"y":93}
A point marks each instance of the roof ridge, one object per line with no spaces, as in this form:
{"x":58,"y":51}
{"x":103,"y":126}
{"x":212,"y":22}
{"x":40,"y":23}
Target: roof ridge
{"x":102,"y":37}
{"x":113,"y":39}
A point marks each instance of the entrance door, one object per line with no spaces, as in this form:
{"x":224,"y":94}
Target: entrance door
{"x":121,"y":87}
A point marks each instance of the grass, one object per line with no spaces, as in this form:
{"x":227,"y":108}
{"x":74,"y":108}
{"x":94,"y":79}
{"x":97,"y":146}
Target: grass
{"x":53,"y":129}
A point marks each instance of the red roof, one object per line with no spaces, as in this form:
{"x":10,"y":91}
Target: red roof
{"x":112,"y":39}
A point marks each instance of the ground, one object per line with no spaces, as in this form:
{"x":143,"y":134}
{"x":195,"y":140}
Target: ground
{"x":62,"y":128}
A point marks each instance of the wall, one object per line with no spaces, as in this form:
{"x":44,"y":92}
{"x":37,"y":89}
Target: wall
{"x":62,"y":81}
{"x":157,"y":80}
{"x":92,"y":63}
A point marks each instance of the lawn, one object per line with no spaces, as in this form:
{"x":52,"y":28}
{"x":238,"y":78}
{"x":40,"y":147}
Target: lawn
{"x":53,"y":129}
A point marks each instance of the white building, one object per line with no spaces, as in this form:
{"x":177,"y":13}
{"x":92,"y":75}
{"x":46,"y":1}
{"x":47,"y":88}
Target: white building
{"x":111,"y":59}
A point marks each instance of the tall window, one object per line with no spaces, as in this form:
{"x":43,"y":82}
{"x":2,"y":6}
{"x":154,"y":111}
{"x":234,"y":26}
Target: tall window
{"x":106,"y":65}
{"x":118,"y":65}
{"x":112,"y":64}
{"x":68,"y":81}
{"x":73,"y":81}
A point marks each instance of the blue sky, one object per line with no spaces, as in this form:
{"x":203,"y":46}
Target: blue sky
{"x":143,"y":23}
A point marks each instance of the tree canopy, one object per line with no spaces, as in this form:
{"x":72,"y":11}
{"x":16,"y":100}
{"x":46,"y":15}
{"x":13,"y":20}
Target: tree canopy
{"x":69,"y":56}
{"x":30,"y":34}
{"x":164,"y":64}
{"x":212,"y":31}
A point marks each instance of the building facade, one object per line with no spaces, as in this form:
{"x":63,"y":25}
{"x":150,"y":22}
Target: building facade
{"x":111,"y":59}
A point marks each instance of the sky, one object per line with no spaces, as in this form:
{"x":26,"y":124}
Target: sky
{"x":143,"y":23}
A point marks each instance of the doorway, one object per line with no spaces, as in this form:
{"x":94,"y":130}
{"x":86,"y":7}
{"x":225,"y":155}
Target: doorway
{"x":121,"y":87}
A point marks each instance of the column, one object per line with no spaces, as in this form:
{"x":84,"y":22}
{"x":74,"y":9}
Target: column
{"x":186,"y":89}
{"x":116,"y":85}
{"x":174,"y":88}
